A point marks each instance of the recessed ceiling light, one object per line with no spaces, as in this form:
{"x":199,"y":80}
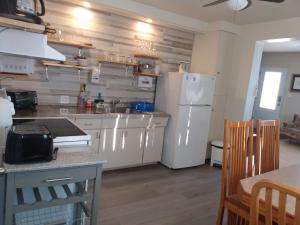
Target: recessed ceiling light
{"x":86,"y":4}
{"x":279,"y":40}
{"x":149,"y":20}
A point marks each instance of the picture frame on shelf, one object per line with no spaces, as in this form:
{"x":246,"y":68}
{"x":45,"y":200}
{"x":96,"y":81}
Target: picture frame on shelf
{"x":295,"y":86}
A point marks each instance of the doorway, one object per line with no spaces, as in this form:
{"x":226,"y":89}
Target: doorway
{"x":270,"y":93}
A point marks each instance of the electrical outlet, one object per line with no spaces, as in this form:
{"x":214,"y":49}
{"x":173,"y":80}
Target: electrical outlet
{"x":64,"y":99}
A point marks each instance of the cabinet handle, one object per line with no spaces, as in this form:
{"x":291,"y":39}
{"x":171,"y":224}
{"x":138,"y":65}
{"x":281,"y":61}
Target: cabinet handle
{"x":124,"y":133}
{"x":88,"y":124}
{"x":98,"y":135}
{"x":58,"y":179}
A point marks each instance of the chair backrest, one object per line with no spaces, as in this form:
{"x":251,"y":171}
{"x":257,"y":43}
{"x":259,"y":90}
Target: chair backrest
{"x":238,"y":136}
{"x":266,"y":209}
{"x":267,"y":146}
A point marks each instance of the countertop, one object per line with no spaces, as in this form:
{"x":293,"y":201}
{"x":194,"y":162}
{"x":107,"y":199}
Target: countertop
{"x":82,"y":157}
{"x":59,"y":111}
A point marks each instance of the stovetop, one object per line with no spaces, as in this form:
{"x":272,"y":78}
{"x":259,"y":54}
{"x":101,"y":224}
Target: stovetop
{"x":58,"y":127}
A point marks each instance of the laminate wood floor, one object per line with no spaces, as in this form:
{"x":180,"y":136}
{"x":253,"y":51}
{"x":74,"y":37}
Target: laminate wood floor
{"x":155,"y":195}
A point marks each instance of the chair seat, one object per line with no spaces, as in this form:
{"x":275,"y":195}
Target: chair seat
{"x":233,"y":203}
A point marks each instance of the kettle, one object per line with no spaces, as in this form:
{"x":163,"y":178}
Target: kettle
{"x":25,"y":10}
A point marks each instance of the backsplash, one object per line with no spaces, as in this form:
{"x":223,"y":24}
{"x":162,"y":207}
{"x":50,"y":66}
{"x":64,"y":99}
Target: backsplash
{"x":108,"y":33}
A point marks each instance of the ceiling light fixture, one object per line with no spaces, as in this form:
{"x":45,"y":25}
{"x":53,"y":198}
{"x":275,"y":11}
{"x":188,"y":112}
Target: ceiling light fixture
{"x":143,"y":27}
{"x":238,"y":5}
{"x":279,"y":40}
{"x":86,"y":4}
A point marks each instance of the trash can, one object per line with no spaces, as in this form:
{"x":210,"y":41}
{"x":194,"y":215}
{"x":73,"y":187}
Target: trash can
{"x":217,"y":153}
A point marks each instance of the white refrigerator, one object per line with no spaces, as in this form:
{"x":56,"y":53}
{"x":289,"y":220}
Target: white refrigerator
{"x":187,"y":98}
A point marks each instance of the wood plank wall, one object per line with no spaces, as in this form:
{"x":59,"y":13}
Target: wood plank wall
{"x":108,"y":33}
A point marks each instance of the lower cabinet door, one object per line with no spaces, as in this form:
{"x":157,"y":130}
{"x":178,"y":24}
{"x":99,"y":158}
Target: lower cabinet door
{"x":95,"y":135}
{"x":123,"y":147}
{"x":153,"y":145}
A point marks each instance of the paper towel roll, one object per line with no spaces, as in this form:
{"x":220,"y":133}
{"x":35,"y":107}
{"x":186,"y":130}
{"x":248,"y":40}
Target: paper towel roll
{"x":5,"y":113}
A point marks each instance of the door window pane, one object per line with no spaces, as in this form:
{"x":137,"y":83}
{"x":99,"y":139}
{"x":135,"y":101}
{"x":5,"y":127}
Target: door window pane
{"x":270,"y":90}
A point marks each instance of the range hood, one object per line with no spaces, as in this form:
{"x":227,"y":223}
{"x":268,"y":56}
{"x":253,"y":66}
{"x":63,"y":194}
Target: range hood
{"x":27,"y":44}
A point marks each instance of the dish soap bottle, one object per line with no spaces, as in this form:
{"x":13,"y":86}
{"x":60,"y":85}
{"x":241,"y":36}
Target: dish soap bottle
{"x":82,"y":96}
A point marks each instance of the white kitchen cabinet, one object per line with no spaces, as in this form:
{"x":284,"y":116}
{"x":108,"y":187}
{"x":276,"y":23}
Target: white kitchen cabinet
{"x":95,"y":135}
{"x":123,"y":147}
{"x":153,"y":145}
{"x":122,"y":141}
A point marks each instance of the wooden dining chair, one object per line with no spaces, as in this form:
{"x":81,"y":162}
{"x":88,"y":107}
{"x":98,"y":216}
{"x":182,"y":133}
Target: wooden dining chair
{"x":237,"y":164}
{"x":264,"y":206}
{"x":267,"y":146}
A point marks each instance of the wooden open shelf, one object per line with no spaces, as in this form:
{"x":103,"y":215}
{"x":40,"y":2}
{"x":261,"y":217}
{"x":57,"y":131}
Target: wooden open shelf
{"x":117,"y":63}
{"x":72,"y":43}
{"x":64,"y":65}
{"x":12,"y":75}
{"x":17,"y":24}
{"x":146,"y":74}
{"x":146,"y":56}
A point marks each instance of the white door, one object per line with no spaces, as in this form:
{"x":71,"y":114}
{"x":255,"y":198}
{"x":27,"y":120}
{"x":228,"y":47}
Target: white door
{"x":197,"y":89}
{"x":191,"y":135}
{"x":122,"y":147}
{"x":270,"y":94}
{"x":153,"y":145}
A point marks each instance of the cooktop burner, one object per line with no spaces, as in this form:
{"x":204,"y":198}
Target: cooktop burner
{"x":59,"y":127}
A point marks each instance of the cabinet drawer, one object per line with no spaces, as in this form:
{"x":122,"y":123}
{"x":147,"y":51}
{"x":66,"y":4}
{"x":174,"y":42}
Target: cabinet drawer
{"x":158,"y":122}
{"x":54,"y":177}
{"x":125,"y":123}
{"x":88,"y":124}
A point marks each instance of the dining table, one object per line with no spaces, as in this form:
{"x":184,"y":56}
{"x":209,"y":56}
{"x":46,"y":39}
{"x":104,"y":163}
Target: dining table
{"x":288,"y":175}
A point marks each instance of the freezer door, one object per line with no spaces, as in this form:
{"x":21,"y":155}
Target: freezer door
{"x":191,"y":136}
{"x":197,"y":89}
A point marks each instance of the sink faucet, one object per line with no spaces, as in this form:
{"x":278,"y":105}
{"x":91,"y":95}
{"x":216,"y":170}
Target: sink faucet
{"x":114,"y":103}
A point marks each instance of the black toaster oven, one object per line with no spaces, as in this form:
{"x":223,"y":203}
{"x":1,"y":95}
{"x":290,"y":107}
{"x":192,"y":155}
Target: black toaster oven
{"x":29,"y":143}
{"x":23,"y":99}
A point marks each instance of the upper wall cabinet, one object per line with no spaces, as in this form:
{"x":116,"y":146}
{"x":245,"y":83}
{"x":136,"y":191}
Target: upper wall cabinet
{"x":212,"y":52}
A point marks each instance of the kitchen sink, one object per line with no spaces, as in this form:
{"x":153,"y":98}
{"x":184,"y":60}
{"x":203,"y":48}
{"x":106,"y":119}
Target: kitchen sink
{"x":119,"y":110}
{"x":113,"y":110}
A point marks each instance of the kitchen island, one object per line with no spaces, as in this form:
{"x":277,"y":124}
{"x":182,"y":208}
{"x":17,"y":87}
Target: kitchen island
{"x":32,"y":189}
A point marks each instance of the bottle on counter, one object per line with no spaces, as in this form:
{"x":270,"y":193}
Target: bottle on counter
{"x":82,"y":96}
{"x":89,"y":101}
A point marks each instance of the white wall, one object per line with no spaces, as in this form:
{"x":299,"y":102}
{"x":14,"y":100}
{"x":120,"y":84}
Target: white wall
{"x":236,"y":88}
{"x":290,"y":61}
{"x":241,"y":93}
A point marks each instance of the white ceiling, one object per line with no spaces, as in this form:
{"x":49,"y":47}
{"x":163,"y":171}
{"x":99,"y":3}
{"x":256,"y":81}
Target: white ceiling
{"x":258,"y":12}
{"x":291,"y":46}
